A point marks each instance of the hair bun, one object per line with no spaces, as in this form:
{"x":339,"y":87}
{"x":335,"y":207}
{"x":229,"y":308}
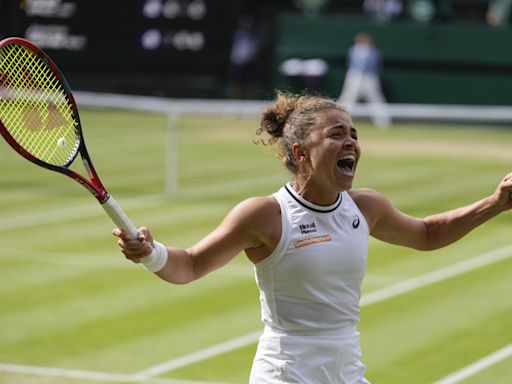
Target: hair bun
{"x":274,"y":118}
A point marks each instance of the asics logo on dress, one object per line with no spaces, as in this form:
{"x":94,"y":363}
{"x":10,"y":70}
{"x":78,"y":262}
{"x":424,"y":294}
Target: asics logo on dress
{"x":307,"y":228}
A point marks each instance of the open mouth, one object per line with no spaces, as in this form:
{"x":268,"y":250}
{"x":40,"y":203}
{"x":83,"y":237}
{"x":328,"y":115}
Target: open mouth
{"x":347,"y":164}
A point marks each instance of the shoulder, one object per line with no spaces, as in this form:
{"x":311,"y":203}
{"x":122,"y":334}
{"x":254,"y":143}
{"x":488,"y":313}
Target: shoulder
{"x":255,"y":211}
{"x":365,"y":195}
{"x":371,"y":203}
{"x":260,"y":218}
{"x":260,"y":205}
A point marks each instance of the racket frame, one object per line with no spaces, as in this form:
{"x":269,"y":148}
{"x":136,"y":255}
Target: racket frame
{"x":93,"y":185}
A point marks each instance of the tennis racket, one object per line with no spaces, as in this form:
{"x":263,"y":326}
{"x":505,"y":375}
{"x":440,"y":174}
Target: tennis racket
{"x":39,"y":119}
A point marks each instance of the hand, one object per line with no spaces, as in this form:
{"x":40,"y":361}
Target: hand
{"x":134,"y":249}
{"x":503,"y":194}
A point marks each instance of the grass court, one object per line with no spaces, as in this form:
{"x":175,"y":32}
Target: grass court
{"x":73,"y":311}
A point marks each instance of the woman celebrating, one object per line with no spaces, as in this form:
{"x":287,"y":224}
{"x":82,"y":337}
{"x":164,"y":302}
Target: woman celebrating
{"x":308,"y":242}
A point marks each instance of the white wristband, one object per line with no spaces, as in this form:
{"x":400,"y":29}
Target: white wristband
{"x":157,"y":260}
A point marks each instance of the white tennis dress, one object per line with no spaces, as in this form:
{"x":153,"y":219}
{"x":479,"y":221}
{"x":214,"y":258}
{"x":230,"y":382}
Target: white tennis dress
{"x":309,"y":293}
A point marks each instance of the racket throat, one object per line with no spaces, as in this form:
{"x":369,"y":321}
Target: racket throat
{"x":100,"y":192}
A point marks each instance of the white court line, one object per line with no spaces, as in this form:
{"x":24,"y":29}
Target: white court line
{"x":195,"y":357}
{"x":65,"y":373}
{"x":371,"y":298}
{"x":445,"y":273}
{"x":477,"y":366}
{"x":76,"y":213}
{"x":90,"y":375}
{"x":85,"y":211}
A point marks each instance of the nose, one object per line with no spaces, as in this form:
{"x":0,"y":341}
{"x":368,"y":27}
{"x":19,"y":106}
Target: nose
{"x":350,"y":142}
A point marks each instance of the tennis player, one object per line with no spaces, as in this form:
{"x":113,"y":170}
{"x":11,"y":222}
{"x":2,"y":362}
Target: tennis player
{"x":308,"y":242}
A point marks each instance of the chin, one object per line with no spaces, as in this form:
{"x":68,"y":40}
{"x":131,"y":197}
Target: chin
{"x":344,"y":186}
{"x":344,"y":181}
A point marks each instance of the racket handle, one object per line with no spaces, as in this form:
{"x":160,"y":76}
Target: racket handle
{"x":119,"y":217}
{"x":158,"y":257}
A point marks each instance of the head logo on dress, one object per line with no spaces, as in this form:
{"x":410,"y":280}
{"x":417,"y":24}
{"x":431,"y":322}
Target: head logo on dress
{"x":307,"y":228}
{"x":356,"y":222}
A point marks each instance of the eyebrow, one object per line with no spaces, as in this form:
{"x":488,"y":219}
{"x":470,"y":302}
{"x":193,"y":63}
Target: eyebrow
{"x":351,"y":129}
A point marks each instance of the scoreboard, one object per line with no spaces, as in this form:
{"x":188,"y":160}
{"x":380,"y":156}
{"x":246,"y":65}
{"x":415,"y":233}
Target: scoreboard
{"x":114,"y":44}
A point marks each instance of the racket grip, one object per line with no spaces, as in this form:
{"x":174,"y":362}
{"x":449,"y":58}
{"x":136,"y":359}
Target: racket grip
{"x":119,"y":217}
{"x":158,"y":257}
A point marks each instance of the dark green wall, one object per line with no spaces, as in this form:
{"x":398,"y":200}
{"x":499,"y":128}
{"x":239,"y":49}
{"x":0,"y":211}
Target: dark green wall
{"x":423,"y":63}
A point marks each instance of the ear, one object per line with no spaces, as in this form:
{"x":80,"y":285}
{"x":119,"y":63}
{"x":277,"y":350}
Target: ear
{"x":298,"y":152}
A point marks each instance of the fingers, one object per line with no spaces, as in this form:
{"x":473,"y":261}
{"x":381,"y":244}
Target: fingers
{"x":142,"y":233}
{"x":503,"y":194}
{"x":506,"y":183}
{"x":134,"y":249}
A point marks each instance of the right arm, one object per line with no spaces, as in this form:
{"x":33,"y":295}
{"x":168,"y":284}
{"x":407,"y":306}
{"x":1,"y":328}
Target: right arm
{"x":244,"y":227}
{"x":388,"y":224}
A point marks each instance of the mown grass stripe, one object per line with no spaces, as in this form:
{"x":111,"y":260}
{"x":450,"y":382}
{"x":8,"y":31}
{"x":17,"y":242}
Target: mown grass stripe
{"x":478,"y":366}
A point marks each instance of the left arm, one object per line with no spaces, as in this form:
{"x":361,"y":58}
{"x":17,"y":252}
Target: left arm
{"x":390,"y":225}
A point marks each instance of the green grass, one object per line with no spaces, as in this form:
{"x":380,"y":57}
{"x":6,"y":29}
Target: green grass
{"x":69,"y":300}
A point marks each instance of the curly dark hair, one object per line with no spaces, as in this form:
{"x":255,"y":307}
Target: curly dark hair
{"x":289,"y":120}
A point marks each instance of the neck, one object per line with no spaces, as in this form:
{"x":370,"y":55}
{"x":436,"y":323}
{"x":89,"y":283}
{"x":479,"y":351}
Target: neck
{"x":314,"y":194}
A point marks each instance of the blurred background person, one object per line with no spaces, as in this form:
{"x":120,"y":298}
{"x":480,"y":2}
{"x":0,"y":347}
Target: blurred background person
{"x":242,"y":60}
{"x":498,"y":14}
{"x":383,"y":10}
{"x":362,"y":81}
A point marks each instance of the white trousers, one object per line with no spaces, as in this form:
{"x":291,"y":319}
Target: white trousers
{"x":359,"y":85}
{"x":308,"y":359}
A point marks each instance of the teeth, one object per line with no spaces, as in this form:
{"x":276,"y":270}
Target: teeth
{"x":347,"y":163}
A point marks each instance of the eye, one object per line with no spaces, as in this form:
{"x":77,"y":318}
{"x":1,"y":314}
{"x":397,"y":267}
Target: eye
{"x":337,"y":133}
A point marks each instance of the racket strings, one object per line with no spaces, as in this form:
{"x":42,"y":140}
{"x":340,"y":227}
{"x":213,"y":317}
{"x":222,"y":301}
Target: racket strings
{"x":27,"y":97}
{"x":34,"y":106}
{"x":35,"y":93}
